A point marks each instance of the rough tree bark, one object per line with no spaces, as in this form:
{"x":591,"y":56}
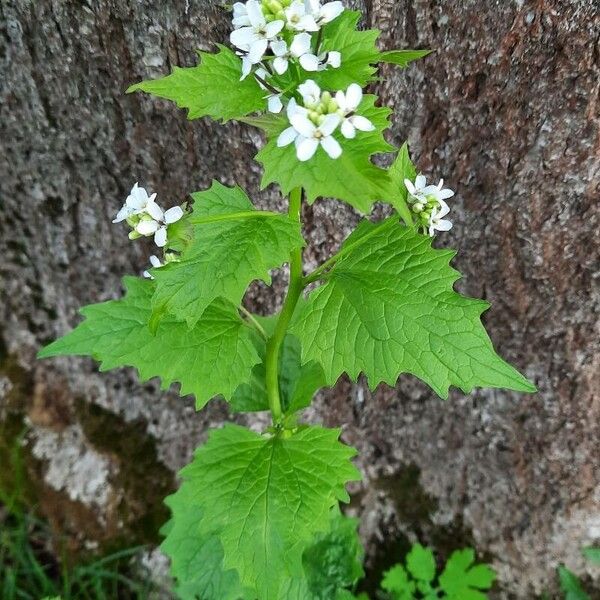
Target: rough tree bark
{"x":506,"y":110}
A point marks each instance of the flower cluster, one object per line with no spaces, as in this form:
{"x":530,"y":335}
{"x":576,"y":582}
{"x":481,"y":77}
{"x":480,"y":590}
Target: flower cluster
{"x":313,"y":124}
{"x":280,"y":31}
{"x":428,"y":204}
{"x":146,"y":217}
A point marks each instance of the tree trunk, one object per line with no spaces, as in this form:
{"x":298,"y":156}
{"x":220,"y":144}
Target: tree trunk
{"x":506,"y":110}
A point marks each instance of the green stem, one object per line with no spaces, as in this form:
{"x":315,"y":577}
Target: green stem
{"x":252,"y":321}
{"x":294,"y":292}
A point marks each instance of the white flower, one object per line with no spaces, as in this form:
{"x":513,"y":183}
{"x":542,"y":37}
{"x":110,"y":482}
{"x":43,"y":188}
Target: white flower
{"x":421,"y":193}
{"x":240,"y":15}
{"x":326,"y":13}
{"x":436,"y":222}
{"x":347,"y":103}
{"x":310,"y":92}
{"x":155,"y":262}
{"x":300,"y":48}
{"x":156,"y":221}
{"x":428,"y":203}
{"x":299,"y":17}
{"x":135,"y":204}
{"x":254,"y":38}
{"x":312,"y":136}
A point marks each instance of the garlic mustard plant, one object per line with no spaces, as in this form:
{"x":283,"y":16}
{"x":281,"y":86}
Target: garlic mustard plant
{"x":257,"y":514}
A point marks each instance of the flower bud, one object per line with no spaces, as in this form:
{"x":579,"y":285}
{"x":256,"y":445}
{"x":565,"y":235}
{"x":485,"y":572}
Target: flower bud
{"x":418,"y":207}
{"x":313,"y":115}
{"x":275,"y":6}
{"x":332,"y":106}
{"x":280,"y":16}
{"x":325,"y":98}
{"x":321,"y":120}
{"x":134,"y":235}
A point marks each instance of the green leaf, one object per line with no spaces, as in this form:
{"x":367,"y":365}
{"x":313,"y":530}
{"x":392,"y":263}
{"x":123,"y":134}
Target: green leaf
{"x":212,"y":358}
{"x":460,"y":580}
{"x":388,"y":307}
{"x":265,"y":497}
{"x":421,"y":563}
{"x":297,"y":382}
{"x":196,"y":560}
{"x":232,"y":245}
{"x":358,"y":50}
{"x":397,"y":582}
{"x":592,"y":554}
{"x":213,"y":88}
{"x":352,"y":177}
{"x":334,"y":560}
{"x":570,"y":585}
{"x":402,"y":168}
{"x":402,"y":58}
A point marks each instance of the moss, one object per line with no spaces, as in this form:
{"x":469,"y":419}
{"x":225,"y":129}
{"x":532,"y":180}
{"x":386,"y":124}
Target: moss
{"x":144,"y":480}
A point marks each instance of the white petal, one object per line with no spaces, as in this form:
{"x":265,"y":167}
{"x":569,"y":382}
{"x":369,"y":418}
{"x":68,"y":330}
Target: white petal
{"x":173,"y":214}
{"x":443,"y":210}
{"x":309,"y":62}
{"x":255,"y":13}
{"x":246,"y":67}
{"x":154,"y":210}
{"x":123,"y":214}
{"x":147,"y":275}
{"x":334,"y":59}
{"x":257,"y":50}
{"x":445,"y":194}
{"x":302,"y":124}
{"x":310,"y":91}
{"x":353,"y":96}
{"x":420,"y":182}
{"x":331,"y":146}
{"x":410,"y":187}
{"x":348,"y":130}
{"x":443,"y":225}
{"x":155,"y":261}
{"x":331,"y":10}
{"x":329,"y":124}
{"x":280,"y":65}
{"x":279,"y":48}
{"x":340,"y":98}
{"x":362,"y":123}
{"x":273,"y":28}
{"x":160,"y":237}
{"x":275,"y":104}
{"x":243,"y":37}
{"x":307,"y":23}
{"x":146,"y":227}
{"x":306,"y":149}
{"x":136,"y":201}
{"x":300,"y":45}
{"x":287,"y":137}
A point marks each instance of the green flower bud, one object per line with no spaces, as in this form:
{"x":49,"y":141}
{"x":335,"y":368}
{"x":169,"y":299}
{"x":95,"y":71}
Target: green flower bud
{"x":134,"y":235}
{"x":285,"y":3}
{"x":325,"y":98}
{"x":269,"y":17}
{"x":313,"y":115}
{"x":332,"y":106}
{"x":280,"y":16}
{"x":321,"y":120}
{"x":418,"y":207}
{"x":275,"y":6}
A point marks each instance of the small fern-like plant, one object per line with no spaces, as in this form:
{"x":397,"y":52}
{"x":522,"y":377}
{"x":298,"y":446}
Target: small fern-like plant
{"x":252,"y":505}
